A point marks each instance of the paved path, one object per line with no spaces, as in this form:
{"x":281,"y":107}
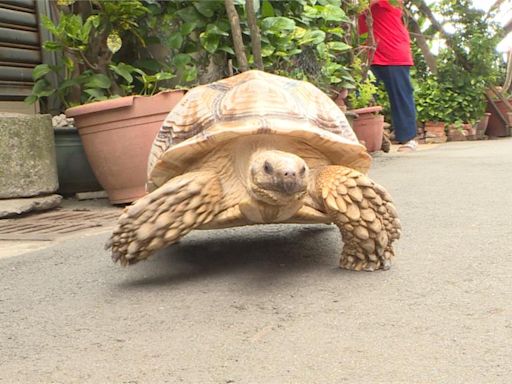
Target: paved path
{"x":268,"y":305}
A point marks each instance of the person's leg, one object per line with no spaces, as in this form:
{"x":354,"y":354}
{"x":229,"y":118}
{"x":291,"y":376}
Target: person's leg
{"x":398,"y":86}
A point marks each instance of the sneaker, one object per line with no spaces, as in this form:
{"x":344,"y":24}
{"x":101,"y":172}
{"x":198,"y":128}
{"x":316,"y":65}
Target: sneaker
{"x":410,"y":146}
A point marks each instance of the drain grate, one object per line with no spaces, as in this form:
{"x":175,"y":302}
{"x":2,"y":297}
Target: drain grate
{"x":51,"y":225}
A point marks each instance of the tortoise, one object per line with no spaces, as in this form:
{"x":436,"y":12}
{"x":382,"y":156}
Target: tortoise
{"x":258,"y":148}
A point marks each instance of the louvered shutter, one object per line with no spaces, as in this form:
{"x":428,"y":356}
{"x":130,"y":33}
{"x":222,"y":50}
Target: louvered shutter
{"x":20,"y":49}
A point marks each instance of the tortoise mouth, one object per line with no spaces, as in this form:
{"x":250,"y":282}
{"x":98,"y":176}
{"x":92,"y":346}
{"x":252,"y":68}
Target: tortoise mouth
{"x":285,"y":187}
{"x":275,"y":195}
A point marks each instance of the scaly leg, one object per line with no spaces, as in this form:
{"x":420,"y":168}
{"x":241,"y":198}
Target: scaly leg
{"x":165,"y":215}
{"x":364,"y":213}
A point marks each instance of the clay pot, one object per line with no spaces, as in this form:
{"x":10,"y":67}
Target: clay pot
{"x":483,"y":123}
{"x":117,"y":135}
{"x":496,"y":127}
{"x":435,"y":128}
{"x":369,"y":127}
{"x":75,"y":173}
{"x":455,"y":134}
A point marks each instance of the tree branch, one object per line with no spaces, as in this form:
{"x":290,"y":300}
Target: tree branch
{"x":423,"y":8}
{"x":422,"y":43}
{"x":255,"y":34}
{"x":370,"y":43}
{"x":236,"y":32}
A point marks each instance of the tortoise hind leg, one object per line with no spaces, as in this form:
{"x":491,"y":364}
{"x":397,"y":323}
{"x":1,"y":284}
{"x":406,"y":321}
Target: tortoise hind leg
{"x":364,"y":213}
{"x":165,"y":215}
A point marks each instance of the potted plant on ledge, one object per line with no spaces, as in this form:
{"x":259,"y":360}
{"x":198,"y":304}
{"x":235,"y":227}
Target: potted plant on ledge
{"x":116,"y":106}
{"x":368,"y":123}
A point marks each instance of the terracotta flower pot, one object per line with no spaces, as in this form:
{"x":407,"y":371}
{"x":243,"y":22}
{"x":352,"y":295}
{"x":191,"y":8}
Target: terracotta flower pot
{"x":369,"y":127}
{"x":456,"y":134}
{"x":117,"y":136}
{"x":496,"y":127}
{"x":435,"y":128}
{"x":435,"y":132}
{"x":483,"y":122}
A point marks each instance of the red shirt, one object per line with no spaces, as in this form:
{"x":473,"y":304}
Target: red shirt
{"x":391,"y":36}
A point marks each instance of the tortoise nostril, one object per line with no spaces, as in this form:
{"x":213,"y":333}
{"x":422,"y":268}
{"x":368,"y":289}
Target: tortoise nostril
{"x":289,"y":173}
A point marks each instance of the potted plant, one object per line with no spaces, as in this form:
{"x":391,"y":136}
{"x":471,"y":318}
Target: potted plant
{"x":433,"y":110}
{"x":116,"y":105}
{"x":368,"y":122}
{"x":73,"y":169}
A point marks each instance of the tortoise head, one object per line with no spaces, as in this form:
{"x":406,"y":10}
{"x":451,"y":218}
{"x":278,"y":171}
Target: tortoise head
{"x":277,"y":177}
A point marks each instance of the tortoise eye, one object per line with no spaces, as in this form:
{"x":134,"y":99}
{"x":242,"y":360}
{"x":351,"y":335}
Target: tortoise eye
{"x":268,"y":168}
{"x":303,"y":171}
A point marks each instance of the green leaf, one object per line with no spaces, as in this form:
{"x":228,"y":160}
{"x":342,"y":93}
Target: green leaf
{"x":30,"y":99}
{"x":278,"y":24}
{"x":98,"y":81}
{"x":215,"y":30}
{"x":181,"y":59}
{"x":321,"y":49}
{"x":189,"y":14}
{"x":69,"y":63}
{"x":148,"y":64}
{"x":68,"y":83}
{"x":94,"y":20}
{"x":96,"y":94}
{"x":205,"y":8}
{"x":298,"y":33}
{"x":267,"y":50}
{"x":52,"y":45}
{"x":312,"y":37}
{"x":175,"y":40}
{"x":266,"y":9}
{"x":311,"y":12}
{"x":334,"y":13}
{"x":85,"y":31}
{"x":40,"y":71}
{"x":187,"y":28}
{"x":190,"y":73}
{"x":49,"y":25}
{"x":227,"y":48}
{"x":123,"y":70}
{"x":338,"y":46}
{"x":337,"y":31}
{"x":42,"y":88}
{"x":209,"y":42}
{"x":164,"y":76}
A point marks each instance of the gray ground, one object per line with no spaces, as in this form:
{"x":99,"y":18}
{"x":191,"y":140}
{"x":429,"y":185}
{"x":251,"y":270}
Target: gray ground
{"x":268,"y":304}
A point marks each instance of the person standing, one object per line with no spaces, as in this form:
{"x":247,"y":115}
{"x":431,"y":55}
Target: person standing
{"x":391,"y":64}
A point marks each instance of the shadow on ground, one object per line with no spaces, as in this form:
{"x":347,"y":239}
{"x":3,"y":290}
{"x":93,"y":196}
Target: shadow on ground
{"x":262,"y":258}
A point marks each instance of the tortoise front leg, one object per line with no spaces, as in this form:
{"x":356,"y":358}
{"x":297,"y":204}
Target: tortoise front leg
{"x":364,"y":213}
{"x":165,"y":215}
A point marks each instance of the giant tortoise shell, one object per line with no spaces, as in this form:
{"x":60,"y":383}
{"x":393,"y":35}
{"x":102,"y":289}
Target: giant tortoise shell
{"x":259,"y":148}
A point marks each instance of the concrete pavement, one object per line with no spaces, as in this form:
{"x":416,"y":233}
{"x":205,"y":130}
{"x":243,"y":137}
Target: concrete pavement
{"x":269,"y":305}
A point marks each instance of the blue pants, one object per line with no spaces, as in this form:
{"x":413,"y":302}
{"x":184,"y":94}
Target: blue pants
{"x":397,"y":81}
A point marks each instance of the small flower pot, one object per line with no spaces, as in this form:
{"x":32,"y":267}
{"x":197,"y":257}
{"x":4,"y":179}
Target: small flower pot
{"x":497,"y":127}
{"x":481,"y":126}
{"x":456,"y":134}
{"x":75,"y":173}
{"x":369,"y":127}
{"x":435,"y":132}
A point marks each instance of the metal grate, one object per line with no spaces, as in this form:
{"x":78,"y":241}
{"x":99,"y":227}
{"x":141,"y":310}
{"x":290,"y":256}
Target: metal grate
{"x":51,"y":225}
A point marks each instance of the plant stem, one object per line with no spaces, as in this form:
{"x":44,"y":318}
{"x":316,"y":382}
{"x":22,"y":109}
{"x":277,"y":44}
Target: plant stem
{"x":255,"y":34}
{"x":236,"y":33}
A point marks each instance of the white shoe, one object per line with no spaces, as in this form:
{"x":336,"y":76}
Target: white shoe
{"x":410,"y":146}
